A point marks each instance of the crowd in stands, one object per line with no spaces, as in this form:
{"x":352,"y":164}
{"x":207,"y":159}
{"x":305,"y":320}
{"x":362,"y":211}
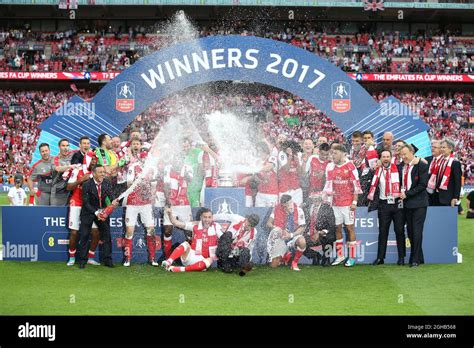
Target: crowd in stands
{"x":275,"y":112}
{"x":116,"y":49}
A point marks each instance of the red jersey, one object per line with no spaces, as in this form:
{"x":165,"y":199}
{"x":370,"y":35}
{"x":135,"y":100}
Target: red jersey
{"x":210,"y":170}
{"x":204,"y":240}
{"x":248,"y":189}
{"x":270,"y":179}
{"x":317,"y":173}
{"x":289,"y":177}
{"x":141,"y":195}
{"x":76,"y":197}
{"x":342,"y":182}
{"x":178,"y":185}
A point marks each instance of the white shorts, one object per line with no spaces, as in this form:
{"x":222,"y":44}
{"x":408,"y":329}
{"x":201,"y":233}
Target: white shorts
{"x":160,"y":200}
{"x":277,"y":247}
{"x":266,"y":200}
{"x":296,"y":195}
{"x":191,"y":258}
{"x":248,"y":201}
{"x":75,"y":218}
{"x":146,"y":215}
{"x":182,"y":212}
{"x":344,"y":215}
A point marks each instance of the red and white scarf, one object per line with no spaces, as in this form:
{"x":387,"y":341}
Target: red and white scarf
{"x":205,"y":240}
{"x":243,"y":237}
{"x":446,"y":174}
{"x":406,"y":175}
{"x":358,"y":156}
{"x":433,"y":171}
{"x":86,"y":162}
{"x":392,"y":182}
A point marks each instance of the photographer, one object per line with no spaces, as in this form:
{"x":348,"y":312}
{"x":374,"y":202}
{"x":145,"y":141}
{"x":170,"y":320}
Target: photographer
{"x":235,"y":246}
{"x":322,"y":232}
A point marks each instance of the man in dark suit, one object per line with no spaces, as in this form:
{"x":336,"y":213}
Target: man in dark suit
{"x":445,"y":181}
{"x":84,"y":146}
{"x":384,"y":196}
{"x":96,"y":195}
{"x":415,"y":200}
{"x":433,"y":162}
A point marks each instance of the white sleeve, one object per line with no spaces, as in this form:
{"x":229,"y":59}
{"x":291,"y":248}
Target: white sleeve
{"x":233,"y":218}
{"x":23,"y":195}
{"x":73,"y":177}
{"x":282,"y":158}
{"x":166,"y":175}
{"x":189,"y":170}
{"x":308,"y":164}
{"x":301,"y":219}
{"x":200,"y":157}
{"x":189,"y":226}
{"x":130,"y":175}
{"x":11,"y":194}
{"x":219,"y":230}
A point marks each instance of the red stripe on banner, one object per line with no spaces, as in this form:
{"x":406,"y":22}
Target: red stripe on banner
{"x":364,"y":77}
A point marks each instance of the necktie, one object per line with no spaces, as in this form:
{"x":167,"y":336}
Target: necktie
{"x":387,"y":182}
{"x":99,"y":191}
{"x":405,"y":177}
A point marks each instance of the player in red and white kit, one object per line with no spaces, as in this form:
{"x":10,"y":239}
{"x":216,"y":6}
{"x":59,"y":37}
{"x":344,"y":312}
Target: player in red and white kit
{"x":176,"y":179}
{"x":267,"y":193}
{"x":201,"y":252}
{"x":365,"y":157}
{"x":316,"y":169}
{"x":243,"y":180}
{"x":76,"y":178}
{"x":139,"y":202}
{"x":288,"y":172}
{"x":343,"y":187}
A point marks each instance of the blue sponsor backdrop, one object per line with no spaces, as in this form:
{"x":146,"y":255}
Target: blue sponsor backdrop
{"x":46,"y":228}
{"x":233,"y":58}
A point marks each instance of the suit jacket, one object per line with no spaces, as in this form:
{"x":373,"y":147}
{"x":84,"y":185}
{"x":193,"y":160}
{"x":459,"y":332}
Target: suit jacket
{"x":77,"y":158}
{"x":417,"y":196}
{"x":325,"y":220}
{"x":429,"y":159}
{"x":90,"y":198}
{"x":454,"y":184}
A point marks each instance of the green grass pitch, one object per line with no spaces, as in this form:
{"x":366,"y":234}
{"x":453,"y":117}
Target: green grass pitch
{"x":51,"y":288}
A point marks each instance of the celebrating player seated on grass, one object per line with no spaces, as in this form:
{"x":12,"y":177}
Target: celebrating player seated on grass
{"x":235,"y":246}
{"x":201,"y":253}
{"x":287,"y":224}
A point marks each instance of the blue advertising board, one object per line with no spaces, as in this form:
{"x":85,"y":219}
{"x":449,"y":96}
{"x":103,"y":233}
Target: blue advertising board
{"x":41,"y":234}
